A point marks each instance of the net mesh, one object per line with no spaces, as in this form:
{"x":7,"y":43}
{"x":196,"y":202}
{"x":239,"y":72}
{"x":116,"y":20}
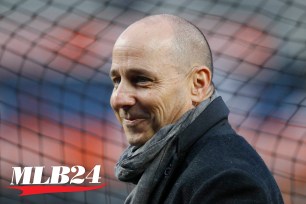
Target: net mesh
{"x":54,"y":87}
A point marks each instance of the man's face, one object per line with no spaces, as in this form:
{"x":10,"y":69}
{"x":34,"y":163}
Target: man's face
{"x":149,"y":91}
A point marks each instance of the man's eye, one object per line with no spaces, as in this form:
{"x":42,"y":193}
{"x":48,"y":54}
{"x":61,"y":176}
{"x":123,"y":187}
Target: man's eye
{"x":116,"y":80}
{"x":141,"y":80}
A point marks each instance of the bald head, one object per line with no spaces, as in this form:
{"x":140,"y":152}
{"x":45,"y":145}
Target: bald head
{"x":161,"y":68}
{"x":181,"y":41}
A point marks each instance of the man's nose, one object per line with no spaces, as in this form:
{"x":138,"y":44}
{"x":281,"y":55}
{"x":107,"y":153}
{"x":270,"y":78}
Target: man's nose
{"x":123,"y":97}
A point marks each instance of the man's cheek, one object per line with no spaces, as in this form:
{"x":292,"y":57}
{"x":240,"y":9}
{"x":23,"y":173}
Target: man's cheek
{"x":119,"y":118}
{"x":111,"y":101}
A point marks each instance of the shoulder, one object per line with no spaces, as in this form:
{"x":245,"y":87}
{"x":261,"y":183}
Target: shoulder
{"x":224,"y":167}
{"x":227,"y":154}
{"x":228,"y":186}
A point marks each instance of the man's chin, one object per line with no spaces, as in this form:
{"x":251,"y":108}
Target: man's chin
{"x":137,"y":139}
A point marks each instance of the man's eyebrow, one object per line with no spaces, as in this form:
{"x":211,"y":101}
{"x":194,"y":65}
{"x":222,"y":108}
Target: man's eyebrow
{"x":114,"y":72}
{"x":139,"y":71}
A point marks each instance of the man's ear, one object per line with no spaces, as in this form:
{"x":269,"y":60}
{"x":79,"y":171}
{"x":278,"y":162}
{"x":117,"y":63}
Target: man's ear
{"x":200,"y":84}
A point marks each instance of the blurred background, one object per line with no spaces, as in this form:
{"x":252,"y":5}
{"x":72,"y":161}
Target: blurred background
{"x":54,"y":88}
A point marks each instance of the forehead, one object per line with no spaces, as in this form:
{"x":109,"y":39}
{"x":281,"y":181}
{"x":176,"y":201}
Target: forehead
{"x":137,"y":58}
{"x":128,"y":50}
{"x":126,"y":57}
{"x":144,"y":46}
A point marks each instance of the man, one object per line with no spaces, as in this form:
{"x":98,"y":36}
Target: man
{"x":182,"y":148}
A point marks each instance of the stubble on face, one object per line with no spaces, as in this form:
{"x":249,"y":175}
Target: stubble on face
{"x":160,"y":101}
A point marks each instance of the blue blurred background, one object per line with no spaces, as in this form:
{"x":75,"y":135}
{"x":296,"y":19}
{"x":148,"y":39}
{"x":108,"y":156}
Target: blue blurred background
{"x":54,"y":86}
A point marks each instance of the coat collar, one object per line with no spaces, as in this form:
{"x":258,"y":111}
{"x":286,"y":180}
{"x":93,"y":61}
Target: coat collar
{"x":214,"y":113}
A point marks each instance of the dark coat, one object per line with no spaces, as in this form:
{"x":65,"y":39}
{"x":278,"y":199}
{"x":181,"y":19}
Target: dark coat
{"x":215,"y":165}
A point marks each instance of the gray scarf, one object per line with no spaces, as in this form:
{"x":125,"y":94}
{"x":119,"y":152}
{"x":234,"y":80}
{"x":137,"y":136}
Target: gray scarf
{"x":146,"y":164}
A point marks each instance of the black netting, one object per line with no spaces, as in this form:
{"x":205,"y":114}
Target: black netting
{"x":54,"y":87}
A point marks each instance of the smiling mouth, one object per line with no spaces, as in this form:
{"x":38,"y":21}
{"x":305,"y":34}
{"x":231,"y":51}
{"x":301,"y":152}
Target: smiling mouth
{"x":133,"y":122}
